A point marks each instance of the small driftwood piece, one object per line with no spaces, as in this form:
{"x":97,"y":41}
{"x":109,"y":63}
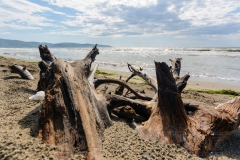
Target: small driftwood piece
{"x":22,"y":71}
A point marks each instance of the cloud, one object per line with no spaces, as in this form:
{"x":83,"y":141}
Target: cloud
{"x":151,"y":17}
{"x":210,"y":13}
{"x":91,"y":6}
{"x":22,"y":14}
{"x":115,"y":18}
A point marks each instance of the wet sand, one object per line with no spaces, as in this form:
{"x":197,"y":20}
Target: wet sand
{"x":204,"y":85}
{"x":19,"y":117}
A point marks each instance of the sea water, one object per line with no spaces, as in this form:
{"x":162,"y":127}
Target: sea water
{"x":206,"y":64}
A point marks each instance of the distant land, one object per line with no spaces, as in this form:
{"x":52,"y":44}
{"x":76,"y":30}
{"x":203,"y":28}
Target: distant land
{"x":6,"y":43}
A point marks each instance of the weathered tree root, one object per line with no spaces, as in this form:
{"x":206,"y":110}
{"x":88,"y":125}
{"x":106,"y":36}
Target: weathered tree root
{"x":74,"y":114}
{"x":169,"y":123}
{"x":181,"y":83}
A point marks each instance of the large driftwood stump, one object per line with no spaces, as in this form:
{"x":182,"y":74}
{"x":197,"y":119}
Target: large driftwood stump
{"x":73,"y":116}
{"x":169,"y":122}
{"x":74,"y":113}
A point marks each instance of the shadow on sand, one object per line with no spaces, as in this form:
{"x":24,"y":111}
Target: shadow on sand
{"x":31,"y":121}
{"x":12,"y":77}
{"x":230,"y":146}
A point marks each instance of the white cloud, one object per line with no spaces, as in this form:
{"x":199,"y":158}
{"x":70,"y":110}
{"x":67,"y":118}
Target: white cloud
{"x":117,"y":18}
{"x":102,"y":17}
{"x":210,"y":12}
{"x":93,"y":5}
{"x":22,"y":14}
{"x":148,"y":17}
{"x":171,"y":8}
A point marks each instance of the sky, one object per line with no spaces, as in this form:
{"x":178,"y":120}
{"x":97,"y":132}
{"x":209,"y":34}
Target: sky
{"x":123,"y":23}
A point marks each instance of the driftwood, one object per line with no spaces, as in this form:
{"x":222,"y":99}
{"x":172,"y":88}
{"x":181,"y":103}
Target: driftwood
{"x":200,"y":133}
{"x":74,"y":113}
{"x":22,"y":71}
{"x":47,"y":59}
{"x":181,"y":82}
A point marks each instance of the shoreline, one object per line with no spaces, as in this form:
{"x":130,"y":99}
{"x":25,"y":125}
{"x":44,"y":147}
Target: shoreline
{"x":212,"y":83}
{"x":191,"y":83}
{"x":208,"y":85}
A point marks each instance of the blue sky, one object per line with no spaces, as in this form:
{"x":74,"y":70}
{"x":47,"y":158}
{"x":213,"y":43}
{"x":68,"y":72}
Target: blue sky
{"x":124,"y":23}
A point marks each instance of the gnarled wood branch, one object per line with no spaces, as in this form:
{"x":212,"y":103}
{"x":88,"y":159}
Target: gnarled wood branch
{"x":151,"y":81}
{"x":141,"y":108}
{"x":98,"y":82}
{"x":175,"y":69}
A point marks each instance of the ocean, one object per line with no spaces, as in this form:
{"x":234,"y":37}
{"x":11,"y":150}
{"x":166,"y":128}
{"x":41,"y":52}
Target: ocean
{"x":220,"y":65}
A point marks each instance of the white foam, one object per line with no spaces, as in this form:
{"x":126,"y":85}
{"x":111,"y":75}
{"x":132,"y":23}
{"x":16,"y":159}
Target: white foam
{"x":206,"y":63}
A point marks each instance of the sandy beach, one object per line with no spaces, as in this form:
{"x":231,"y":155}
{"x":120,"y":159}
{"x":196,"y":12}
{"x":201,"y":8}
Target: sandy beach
{"x":203,"y":85}
{"x":19,"y":121}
